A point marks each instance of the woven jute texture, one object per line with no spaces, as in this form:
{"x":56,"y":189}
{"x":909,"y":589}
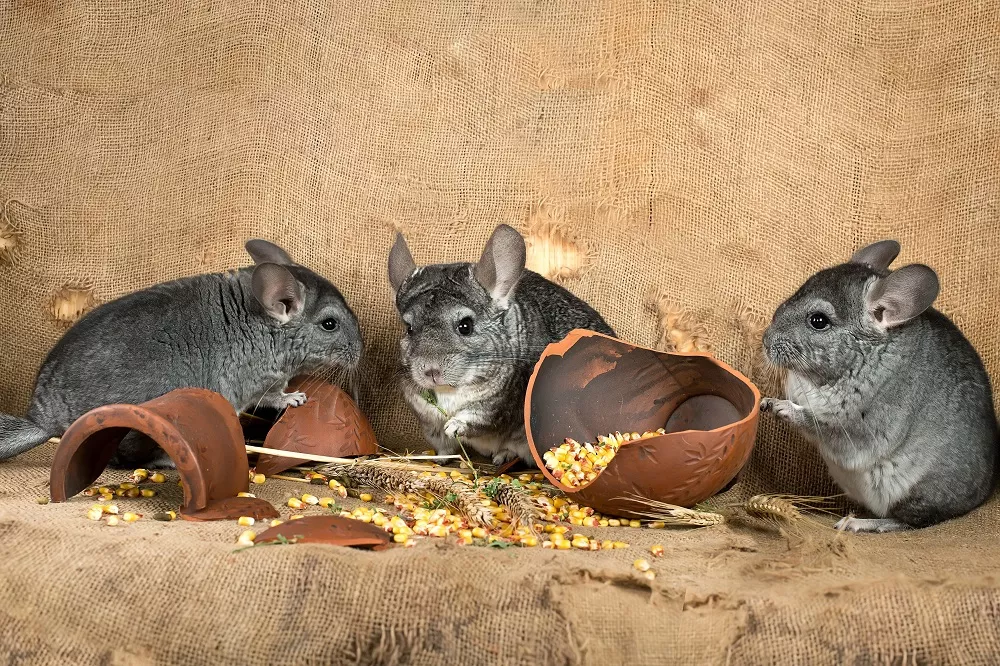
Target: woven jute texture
{"x":688,"y":163}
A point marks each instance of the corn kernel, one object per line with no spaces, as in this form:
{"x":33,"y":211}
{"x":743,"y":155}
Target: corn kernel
{"x":614,"y":522}
{"x":104,"y":490}
{"x":140,"y":475}
{"x":44,"y":499}
{"x":110,"y":508}
{"x":400,"y":538}
{"x":133,"y":493}
{"x":147,"y":492}
{"x":107,"y":497}
{"x":295,"y":503}
{"x":310,"y":499}
{"x":130,"y":517}
{"x":276,"y":522}
{"x":111,"y":520}
{"x":657,"y":525}
{"x":327,"y":502}
{"x":157,"y":477}
{"x":245,"y":521}
{"x":365,"y":497}
{"x":479,"y":533}
{"x":95,"y":514}
{"x":529,"y":541}
{"x":634,"y":523}
{"x":245,"y":495}
{"x":650,"y":575}
{"x":120,"y":493}
{"x":656,"y":550}
{"x":548,"y":544}
{"x":641,"y":565}
{"x":621,"y":544}
{"x":563,"y":545}
{"x":246,"y":538}
{"x":296,"y":517}
{"x":90,"y":492}
{"x":607,"y":545}
{"x":258,"y":479}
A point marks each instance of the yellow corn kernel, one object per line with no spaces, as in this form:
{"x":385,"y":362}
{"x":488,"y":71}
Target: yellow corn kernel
{"x":276,"y":522}
{"x":479,"y":533}
{"x":310,"y":499}
{"x":245,"y":521}
{"x":130,"y":517}
{"x":641,"y":565}
{"x":110,"y":508}
{"x":327,"y":502}
{"x":44,"y":499}
{"x":120,"y":493}
{"x":107,"y":497}
{"x":90,"y":492}
{"x":104,"y":490}
{"x":133,"y":493}
{"x":581,"y":544}
{"x":365,"y":497}
{"x":140,"y":475}
{"x":295,"y":503}
{"x":563,"y":545}
{"x":634,"y":523}
{"x":95,"y":513}
{"x":245,"y":495}
{"x":607,"y":545}
{"x":560,"y":529}
{"x":621,"y":544}
{"x":246,"y":538}
{"x":296,"y":517}
{"x":529,"y":541}
{"x":111,"y":520}
{"x":258,"y":479}
{"x":657,"y":525}
{"x":157,"y":477}
{"x":400,"y":538}
{"x":656,"y":550}
{"x":614,"y":522}
{"x":379,"y":520}
{"x":126,"y":485}
{"x":650,"y":575}
{"x":548,"y":544}
{"x":148,"y":492}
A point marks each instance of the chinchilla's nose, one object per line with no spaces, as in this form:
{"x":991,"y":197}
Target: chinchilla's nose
{"x":433,"y":373}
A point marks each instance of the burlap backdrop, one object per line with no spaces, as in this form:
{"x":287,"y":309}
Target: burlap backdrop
{"x":712,"y":153}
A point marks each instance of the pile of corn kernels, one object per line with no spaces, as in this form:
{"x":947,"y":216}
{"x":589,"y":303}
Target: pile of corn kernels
{"x":574,"y":464}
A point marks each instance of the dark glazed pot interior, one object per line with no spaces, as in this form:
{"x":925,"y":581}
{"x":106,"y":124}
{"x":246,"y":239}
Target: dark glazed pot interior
{"x":591,"y":384}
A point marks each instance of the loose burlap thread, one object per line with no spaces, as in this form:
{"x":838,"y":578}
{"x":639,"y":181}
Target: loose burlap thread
{"x":714,"y":152}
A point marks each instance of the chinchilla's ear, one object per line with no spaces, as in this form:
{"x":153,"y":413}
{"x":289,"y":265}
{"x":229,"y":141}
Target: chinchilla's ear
{"x":401,"y":265}
{"x":502,"y":263}
{"x":902,"y":295}
{"x":278,"y":291}
{"x":266,"y":252}
{"x":877,"y":256}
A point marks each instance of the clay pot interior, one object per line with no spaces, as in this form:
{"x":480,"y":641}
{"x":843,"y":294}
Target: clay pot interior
{"x":591,"y":384}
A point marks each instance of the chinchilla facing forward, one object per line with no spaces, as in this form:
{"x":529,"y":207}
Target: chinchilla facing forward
{"x":242,"y":334}
{"x":473,"y":333}
{"x":891,"y":392}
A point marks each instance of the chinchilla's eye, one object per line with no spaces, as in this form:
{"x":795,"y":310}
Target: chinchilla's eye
{"x":819,"y":321}
{"x":464,"y":326}
{"x":329,"y":324}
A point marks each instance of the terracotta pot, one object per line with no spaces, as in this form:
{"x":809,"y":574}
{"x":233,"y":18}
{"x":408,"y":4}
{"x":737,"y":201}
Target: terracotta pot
{"x":328,"y":424}
{"x":197,"y":428}
{"x":590,"y":384}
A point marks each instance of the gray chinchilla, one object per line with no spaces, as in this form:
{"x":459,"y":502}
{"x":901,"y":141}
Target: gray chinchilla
{"x":894,"y":396}
{"x":242,"y":334}
{"x":473,"y":335}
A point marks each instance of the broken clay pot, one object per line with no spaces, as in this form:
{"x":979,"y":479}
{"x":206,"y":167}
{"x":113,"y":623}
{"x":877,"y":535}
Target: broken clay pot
{"x":328,"y":424}
{"x":332,"y":530}
{"x":196,"y":427}
{"x":590,"y":384}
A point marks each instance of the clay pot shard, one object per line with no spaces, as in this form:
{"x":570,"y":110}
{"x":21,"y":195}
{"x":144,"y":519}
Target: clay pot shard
{"x":590,"y":384}
{"x":197,"y":428}
{"x":332,"y":530}
{"x":328,"y":424}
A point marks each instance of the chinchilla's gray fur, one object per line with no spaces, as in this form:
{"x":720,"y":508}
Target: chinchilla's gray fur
{"x":243,"y":334}
{"x":894,"y":396}
{"x":479,"y":380}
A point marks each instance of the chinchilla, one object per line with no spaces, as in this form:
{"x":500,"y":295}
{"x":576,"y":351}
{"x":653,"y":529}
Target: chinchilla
{"x":473,"y":333}
{"x":892,"y":393}
{"x":242,"y":334}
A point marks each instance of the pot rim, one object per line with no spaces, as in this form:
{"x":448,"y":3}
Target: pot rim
{"x":562,"y":346}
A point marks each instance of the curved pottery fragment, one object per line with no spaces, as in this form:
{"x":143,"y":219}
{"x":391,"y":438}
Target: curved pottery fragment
{"x":332,"y":530}
{"x":590,"y":384}
{"x":328,"y":424}
{"x":196,"y":427}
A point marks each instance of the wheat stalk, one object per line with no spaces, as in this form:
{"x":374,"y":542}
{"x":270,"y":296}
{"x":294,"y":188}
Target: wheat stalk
{"x":519,"y":506}
{"x":388,"y":480}
{"x":772,"y":507}
{"x":671,"y":514}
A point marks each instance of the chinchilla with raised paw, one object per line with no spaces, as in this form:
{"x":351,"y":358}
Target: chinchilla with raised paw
{"x":242,"y":334}
{"x":473,"y":333}
{"x":890,"y":391}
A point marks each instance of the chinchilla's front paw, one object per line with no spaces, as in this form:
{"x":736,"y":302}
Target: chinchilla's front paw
{"x":454,"y":427}
{"x":503,"y":457}
{"x":296,"y":399}
{"x":784,"y":409}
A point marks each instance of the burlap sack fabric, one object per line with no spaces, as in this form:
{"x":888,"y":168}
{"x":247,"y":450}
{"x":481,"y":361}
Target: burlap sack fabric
{"x":708,"y":154}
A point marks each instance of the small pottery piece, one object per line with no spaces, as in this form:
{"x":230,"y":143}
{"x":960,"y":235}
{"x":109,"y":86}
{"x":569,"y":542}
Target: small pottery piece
{"x":196,"y":427}
{"x":328,"y":424}
{"x":332,"y":530}
{"x":590,"y":384}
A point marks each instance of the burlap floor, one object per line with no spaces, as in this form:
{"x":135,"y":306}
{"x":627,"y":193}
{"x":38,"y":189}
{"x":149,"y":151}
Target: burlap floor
{"x":711,"y":154}
{"x":75,"y":591}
